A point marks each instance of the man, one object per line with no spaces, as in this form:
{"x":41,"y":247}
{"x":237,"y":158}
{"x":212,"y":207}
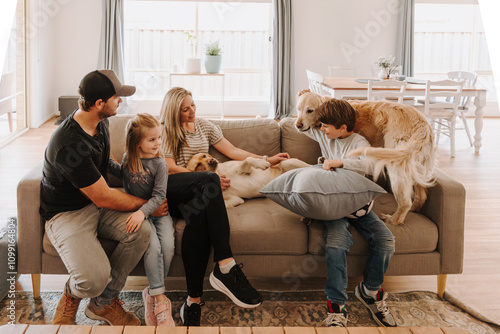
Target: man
{"x":78,"y":206}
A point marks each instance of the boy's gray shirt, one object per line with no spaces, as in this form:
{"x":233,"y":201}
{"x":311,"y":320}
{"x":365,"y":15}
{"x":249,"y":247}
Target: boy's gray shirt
{"x":338,"y":149}
{"x":150,"y":185}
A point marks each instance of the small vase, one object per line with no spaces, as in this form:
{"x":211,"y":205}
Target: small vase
{"x":212,"y":63}
{"x":382,"y":74}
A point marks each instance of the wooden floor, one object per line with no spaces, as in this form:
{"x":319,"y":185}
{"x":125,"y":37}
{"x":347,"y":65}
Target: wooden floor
{"x":478,"y":286}
{"x":65,"y":329}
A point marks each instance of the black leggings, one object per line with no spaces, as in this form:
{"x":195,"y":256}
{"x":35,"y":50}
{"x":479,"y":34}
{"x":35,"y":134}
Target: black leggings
{"x":197,"y":197}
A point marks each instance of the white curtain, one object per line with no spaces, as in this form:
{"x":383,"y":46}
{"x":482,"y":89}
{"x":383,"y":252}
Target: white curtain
{"x":283,"y":95}
{"x":111,"y":48}
{"x":405,"y":36}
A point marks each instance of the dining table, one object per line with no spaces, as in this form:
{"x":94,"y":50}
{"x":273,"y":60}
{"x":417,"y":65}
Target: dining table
{"x":342,"y":86}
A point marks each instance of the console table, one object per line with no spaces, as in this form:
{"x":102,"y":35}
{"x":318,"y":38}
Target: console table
{"x":218,"y":75}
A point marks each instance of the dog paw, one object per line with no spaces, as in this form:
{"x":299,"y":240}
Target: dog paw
{"x":389,"y":219}
{"x":262,"y":164}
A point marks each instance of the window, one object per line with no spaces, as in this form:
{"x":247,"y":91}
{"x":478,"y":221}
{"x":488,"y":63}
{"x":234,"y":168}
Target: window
{"x":156,"y":44}
{"x":450,"y":37}
{"x":12,"y":79}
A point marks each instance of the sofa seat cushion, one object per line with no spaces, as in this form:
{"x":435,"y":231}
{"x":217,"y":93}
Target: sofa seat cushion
{"x":260,"y":226}
{"x":417,"y":235}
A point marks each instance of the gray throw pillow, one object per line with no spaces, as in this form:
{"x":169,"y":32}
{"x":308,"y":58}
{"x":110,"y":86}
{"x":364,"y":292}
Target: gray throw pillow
{"x":316,"y":193}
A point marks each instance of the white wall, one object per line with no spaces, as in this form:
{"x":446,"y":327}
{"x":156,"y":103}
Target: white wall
{"x":348,"y":33}
{"x":64,"y":47}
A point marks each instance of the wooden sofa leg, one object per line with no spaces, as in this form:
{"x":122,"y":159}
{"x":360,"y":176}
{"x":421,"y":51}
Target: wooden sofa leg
{"x":441,"y":285}
{"x":35,"y":281}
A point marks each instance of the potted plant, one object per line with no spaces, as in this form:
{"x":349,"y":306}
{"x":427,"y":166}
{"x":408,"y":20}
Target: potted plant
{"x":213,"y":58}
{"x":387,"y":66}
{"x":192,"y":64}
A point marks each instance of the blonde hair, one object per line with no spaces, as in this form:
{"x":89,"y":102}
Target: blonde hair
{"x":134,"y":134}
{"x":173,"y":138}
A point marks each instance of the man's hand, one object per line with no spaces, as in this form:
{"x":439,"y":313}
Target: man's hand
{"x":276,"y":159}
{"x":134,"y":221}
{"x":225,"y":182}
{"x":332,"y":164}
{"x":162,"y":210}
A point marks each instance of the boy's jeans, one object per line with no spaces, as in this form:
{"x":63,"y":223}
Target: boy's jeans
{"x":339,"y":240}
{"x":158,"y":256}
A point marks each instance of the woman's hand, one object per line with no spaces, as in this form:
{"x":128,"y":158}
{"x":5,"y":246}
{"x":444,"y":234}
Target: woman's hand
{"x":276,"y":159}
{"x":134,"y":221}
{"x":225,"y":182}
{"x":332,"y":164}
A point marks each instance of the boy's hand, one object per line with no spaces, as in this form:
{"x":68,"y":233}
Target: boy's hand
{"x":134,"y":221}
{"x":332,"y":164}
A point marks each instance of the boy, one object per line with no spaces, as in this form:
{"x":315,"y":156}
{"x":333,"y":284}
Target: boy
{"x":336,"y":138}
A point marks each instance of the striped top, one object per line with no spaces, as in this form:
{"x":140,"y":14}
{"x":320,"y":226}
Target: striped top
{"x":206,"y":134}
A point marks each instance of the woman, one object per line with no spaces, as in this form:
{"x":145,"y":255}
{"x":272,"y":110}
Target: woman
{"x":197,"y":197}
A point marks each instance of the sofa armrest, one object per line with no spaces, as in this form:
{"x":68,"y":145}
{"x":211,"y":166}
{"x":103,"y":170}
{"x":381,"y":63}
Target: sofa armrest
{"x":30,"y":223}
{"x":445,"y":206}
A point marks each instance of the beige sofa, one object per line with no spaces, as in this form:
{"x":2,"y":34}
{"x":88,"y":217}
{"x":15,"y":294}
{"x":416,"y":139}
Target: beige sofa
{"x":270,"y":240}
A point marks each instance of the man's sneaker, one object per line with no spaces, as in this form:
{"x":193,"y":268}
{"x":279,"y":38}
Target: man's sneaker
{"x":191,"y":315}
{"x":163,"y":313}
{"x":114,"y":314}
{"x":236,"y":286}
{"x":66,"y":310}
{"x":149,"y":308}
{"x":336,"y":317}
{"x":378,"y":308}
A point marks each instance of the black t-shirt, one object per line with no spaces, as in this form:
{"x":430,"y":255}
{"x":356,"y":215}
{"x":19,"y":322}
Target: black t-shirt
{"x":73,"y":160}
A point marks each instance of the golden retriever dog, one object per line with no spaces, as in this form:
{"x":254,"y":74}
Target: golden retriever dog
{"x":247,"y":176}
{"x":402,"y":140}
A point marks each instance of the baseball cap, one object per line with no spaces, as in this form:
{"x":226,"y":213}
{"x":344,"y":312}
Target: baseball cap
{"x":102,"y":84}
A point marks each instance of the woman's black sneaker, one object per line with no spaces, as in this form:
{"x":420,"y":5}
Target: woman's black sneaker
{"x":191,"y":315}
{"x":236,"y":286}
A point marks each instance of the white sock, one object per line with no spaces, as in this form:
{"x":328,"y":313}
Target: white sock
{"x":227,"y":267}
{"x":371,"y":293}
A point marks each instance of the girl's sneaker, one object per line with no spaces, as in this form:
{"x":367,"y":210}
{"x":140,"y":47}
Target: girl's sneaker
{"x":163,"y":313}
{"x":149,"y":308}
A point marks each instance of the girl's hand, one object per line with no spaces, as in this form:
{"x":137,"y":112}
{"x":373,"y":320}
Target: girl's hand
{"x":276,"y":159}
{"x":225,"y":182}
{"x":134,"y":221}
{"x":332,"y":164}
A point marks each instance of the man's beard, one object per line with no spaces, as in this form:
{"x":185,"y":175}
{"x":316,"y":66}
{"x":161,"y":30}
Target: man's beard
{"x":106,"y":112}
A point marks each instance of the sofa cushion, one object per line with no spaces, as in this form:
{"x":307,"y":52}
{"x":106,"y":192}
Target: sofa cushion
{"x":259,"y":136}
{"x":297,"y":144}
{"x":260,"y":226}
{"x":320,"y":194}
{"x":417,"y":235}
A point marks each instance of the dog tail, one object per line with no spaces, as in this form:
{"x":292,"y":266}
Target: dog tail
{"x":417,"y":161}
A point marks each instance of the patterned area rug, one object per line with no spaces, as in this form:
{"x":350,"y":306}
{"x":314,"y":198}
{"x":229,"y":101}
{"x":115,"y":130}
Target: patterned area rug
{"x":300,"y":308}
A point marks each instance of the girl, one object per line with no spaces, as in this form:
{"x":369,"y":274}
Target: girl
{"x":145,"y":175}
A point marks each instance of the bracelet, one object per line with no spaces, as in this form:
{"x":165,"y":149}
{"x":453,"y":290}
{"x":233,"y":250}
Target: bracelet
{"x":264,"y":157}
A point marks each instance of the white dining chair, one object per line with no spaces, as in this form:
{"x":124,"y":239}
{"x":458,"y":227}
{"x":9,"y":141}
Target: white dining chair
{"x":316,"y":83}
{"x":442,"y":99}
{"x":385,"y":90}
{"x":469,"y":79}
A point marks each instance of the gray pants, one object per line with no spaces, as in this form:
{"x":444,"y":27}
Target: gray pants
{"x":74,"y":236}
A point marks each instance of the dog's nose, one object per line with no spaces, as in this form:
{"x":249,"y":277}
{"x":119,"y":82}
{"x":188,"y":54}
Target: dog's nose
{"x":298,"y":125}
